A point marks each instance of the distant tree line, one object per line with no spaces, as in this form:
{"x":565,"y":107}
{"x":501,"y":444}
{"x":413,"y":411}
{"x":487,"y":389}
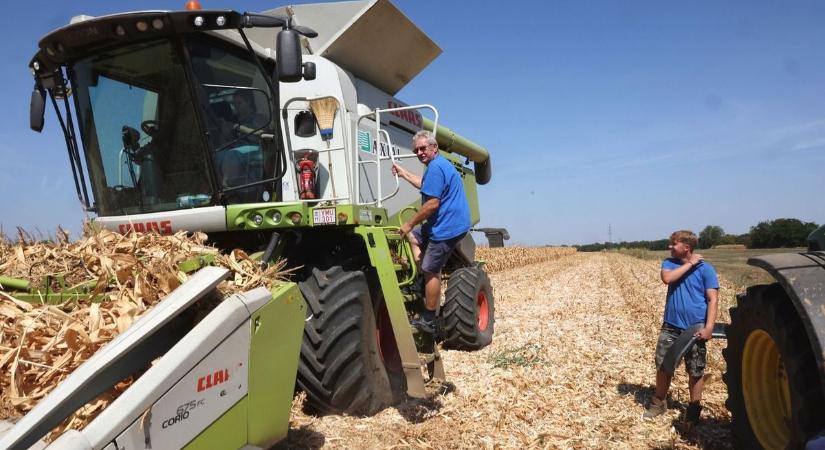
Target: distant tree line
{"x":768,"y":234}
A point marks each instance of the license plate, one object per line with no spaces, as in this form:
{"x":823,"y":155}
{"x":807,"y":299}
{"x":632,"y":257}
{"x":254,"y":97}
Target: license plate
{"x":323,"y":216}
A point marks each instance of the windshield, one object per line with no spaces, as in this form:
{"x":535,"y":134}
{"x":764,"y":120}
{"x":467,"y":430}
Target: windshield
{"x":144,"y":152}
{"x":235,"y":104}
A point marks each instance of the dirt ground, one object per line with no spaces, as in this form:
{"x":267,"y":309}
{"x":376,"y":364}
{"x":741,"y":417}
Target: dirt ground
{"x":571,"y":366}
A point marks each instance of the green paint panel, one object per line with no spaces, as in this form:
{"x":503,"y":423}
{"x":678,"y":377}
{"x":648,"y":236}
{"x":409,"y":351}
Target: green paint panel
{"x":242,"y":217}
{"x":277,"y":331}
{"x":229,"y":431}
{"x":378,"y":250}
{"x":471,"y":191}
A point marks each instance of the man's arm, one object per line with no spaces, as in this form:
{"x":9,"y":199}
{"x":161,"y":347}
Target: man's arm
{"x":674,"y":275}
{"x":712,"y":295}
{"x":412,"y":178}
{"x":426,"y":210}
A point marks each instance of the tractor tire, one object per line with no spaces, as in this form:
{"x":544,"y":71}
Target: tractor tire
{"x":467,"y":316}
{"x":341,"y":368}
{"x":774,"y":393}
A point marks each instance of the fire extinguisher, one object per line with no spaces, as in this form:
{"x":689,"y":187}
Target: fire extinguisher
{"x":306,"y":178}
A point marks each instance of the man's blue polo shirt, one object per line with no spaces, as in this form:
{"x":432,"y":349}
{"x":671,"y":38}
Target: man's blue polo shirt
{"x":441,"y":180}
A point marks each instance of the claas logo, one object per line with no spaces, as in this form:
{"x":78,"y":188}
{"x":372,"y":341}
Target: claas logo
{"x":162,"y":227}
{"x":213,"y":379}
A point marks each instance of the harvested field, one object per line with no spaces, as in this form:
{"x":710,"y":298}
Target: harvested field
{"x":570,"y":367}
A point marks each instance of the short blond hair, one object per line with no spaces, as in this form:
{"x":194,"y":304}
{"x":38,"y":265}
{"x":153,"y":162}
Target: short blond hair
{"x":686,"y":237}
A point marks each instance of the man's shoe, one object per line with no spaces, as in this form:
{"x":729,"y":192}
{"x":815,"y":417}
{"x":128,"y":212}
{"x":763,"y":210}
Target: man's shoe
{"x":423,"y":325}
{"x":693,"y":413}
{"x":656,"y":407}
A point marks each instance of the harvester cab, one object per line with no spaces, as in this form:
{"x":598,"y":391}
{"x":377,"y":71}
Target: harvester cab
{"x":190,"y":120}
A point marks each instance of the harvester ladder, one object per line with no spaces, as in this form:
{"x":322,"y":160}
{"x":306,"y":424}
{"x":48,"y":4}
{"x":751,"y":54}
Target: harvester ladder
{"x":376,"y":115}
{"x":412,"y":362}
{"x":432,"y":359}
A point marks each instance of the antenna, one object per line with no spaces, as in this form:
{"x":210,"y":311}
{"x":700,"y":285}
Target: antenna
{"x":609,"y":235}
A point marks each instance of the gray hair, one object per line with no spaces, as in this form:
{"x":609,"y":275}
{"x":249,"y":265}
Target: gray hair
{"x":425,"y":134}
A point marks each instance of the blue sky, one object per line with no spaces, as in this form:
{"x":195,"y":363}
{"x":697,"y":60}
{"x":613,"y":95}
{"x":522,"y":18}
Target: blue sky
{"x":644,"y":116}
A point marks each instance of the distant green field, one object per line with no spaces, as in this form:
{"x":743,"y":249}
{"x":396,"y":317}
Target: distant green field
{"x":732,"y":263}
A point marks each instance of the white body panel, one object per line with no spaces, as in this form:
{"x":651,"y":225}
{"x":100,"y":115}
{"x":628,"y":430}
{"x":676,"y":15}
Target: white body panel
{"x":197,"y":400}
{"x":207,"y":219}
{"x":180,"y":395}
{"x":354,"y":142}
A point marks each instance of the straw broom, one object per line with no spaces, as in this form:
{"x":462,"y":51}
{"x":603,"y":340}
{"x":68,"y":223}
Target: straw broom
{"x":324,"y":109}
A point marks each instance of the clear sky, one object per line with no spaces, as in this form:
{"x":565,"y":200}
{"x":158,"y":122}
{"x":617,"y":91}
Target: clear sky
{"x":643,"y":116}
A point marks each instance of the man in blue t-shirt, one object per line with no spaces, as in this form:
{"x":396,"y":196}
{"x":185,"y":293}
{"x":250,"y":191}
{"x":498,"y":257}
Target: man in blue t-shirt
{"x":692,"y":295}
{"x":445,"y":215}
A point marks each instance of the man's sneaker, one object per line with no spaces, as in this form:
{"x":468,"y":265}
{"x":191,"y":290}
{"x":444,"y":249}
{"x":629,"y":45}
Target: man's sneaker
{"x":656,"y":407}
{"x":423,"y":325}
{"x":693,"y":413}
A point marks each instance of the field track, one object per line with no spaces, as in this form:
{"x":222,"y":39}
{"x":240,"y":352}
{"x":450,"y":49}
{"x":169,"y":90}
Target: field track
{"x":570,"y":367}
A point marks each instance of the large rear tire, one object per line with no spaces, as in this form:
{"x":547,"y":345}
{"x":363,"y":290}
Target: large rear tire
{"x":341,"y":368}
{"x":774,"y":393}
{"x":468,"y":313}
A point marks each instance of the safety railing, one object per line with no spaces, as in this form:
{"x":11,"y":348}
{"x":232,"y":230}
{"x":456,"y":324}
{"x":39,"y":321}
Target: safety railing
{"x":376,"y":115}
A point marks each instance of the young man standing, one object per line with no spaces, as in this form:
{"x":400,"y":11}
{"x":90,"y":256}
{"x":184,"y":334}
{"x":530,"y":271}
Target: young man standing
{"x":445,"y":215}
{"x":692,"y":296}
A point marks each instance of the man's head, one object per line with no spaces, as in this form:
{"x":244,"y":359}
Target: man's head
{"x":425,"y":146}
{"x":682,"y":244}
{"x":243,"y":103}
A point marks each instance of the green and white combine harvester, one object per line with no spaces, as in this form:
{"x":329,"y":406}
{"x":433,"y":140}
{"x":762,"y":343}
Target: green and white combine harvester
{"x":190,"y":120}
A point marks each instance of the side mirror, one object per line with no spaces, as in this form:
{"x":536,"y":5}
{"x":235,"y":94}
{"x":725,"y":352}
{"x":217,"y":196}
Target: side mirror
{"x":309,"y":71}
{"x":130,"y":137}
{"x":37,"y":108}
{"x":288,"y":57}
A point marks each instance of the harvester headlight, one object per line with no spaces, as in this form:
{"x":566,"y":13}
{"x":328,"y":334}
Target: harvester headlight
{"x":141,"y":26}
{"x":221,"y":21}
{"x":258,"y":219}
{"x":157,"y":24}
{"x":295,"y":217}
{"x":276,"y":217}
{"x":198,"y":21}
{"x":120,"y":31}
{"x":342,"y":217}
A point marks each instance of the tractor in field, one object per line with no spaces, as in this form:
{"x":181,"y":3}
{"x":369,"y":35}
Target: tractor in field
{"x":776,"y":353}
{"x":277,"y":139}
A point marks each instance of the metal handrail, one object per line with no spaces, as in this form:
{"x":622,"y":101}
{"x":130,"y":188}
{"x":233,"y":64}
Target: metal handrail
{"x":378,"y":132}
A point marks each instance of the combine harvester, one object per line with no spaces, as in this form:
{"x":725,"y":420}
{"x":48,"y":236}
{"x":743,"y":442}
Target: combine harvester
{"x":189,"y":120}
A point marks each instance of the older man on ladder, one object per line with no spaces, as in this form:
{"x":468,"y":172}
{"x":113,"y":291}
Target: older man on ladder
{"x":445,"y":219}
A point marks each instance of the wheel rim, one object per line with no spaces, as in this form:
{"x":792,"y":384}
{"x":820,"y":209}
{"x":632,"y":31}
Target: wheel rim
{"x":483,"y":310}
{"x":385,"y":338}
{"x":766,"y":391}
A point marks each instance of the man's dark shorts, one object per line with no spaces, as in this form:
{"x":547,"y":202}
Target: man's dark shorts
{"x":435,"y":253}
{"x":695,"y":358}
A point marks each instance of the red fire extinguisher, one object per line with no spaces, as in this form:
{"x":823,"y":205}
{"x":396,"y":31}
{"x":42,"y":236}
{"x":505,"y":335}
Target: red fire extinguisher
{"x":306,"y":178}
